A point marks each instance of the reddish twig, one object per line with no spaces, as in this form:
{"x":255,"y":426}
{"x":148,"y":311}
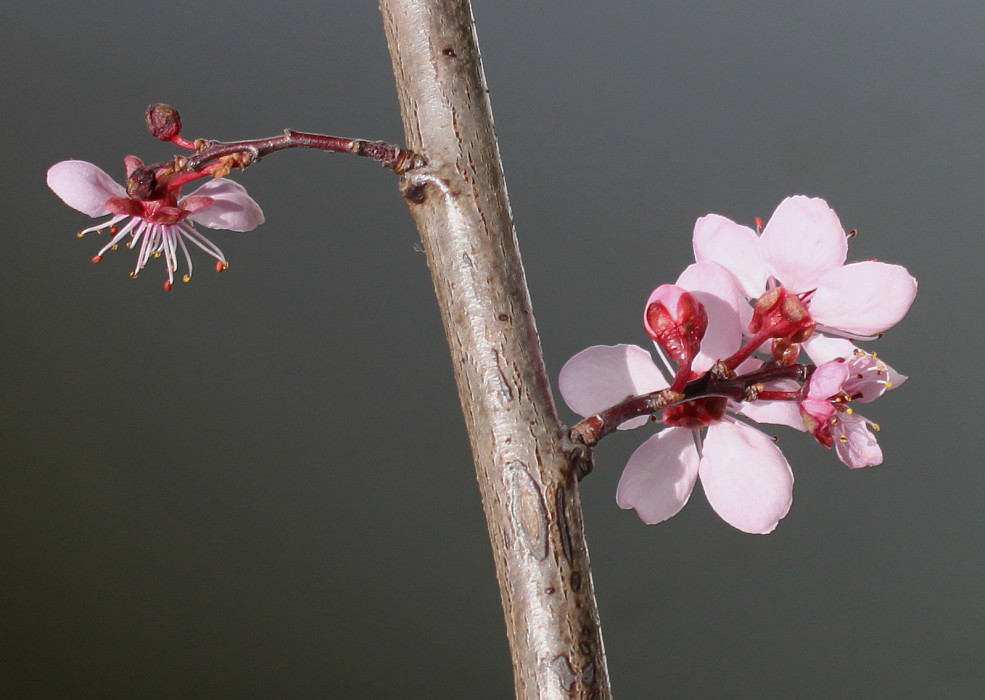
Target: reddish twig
{"x":245,"y":153}
{"x":718,"y":381}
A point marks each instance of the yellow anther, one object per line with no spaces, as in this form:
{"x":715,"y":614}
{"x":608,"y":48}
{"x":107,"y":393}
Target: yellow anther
{"x":186,"y":278}
{"x":80,"y":234}
{"x":843,"y":438}
{"x":156,"y":254}
{"x":849,"y":411}
{"x":114,"y":247}
{"x":888,"y":384}
{"x":875,"y":426}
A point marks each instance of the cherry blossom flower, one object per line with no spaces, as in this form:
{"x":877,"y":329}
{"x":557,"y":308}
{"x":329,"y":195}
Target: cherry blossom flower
{"x":162,"y":225}
{"x":795,"y":273}
{"x":803,"y":248}
{"x":827,"y":409}
{"x":745,"y":476}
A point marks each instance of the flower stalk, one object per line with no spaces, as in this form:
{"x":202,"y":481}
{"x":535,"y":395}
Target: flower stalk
{"x":217,"y":158}
{"x":716,"y":382}
{"x":241,"y":154}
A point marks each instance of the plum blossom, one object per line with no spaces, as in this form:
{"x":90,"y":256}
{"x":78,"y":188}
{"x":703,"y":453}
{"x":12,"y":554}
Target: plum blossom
{"x":803,"y":248}
{"x":745,"y":476}
{"x":160,"y":224}
{"x":795,"y":275}
{"x":827,"y":411}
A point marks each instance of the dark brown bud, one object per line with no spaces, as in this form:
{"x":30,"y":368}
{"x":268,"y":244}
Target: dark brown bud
{"x":163,"y":121}
{"x":141,"y":184}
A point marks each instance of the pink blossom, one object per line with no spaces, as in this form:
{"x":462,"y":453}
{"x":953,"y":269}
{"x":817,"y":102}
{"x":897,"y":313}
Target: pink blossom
{"x":827,"y":409}
{"x":716,"y":289}
{"x":745,"y":476}
{"x":803,"y":248}
{"x":160,"y":225}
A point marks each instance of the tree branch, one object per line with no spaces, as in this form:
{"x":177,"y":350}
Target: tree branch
{"x":525,"y":463}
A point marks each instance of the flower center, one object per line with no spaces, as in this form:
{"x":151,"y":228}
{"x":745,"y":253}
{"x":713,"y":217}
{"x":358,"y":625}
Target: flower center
{"x":696,"y":414}
{"x":156,"y":211}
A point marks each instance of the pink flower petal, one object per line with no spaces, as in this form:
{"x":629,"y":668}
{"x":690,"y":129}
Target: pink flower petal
{"x":856,"y":446}
{"x":818,"y":412}
{"x":827,"y":380}
{"x":745,"y":477}
{"x":893,"y":380}
{"x":734,"y":247}
{"x":864,"y":298}
{"x":802,"y":240}
{"x":870,"y":378}
{"x":724,"y":302}
{"x":660,"y":474}
{"x":232,"y":209}
{"x":193,"y":202}
{"x":603,"y":375}
{"x":83,"y":186}
{"x":775,"y":412}
{"x":821,"y":348}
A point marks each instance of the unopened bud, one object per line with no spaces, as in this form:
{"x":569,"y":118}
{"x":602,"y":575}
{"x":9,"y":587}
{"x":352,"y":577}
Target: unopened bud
{"x":141,"y":183}
{"x":163,"y":121}
{"x":677,"y":321}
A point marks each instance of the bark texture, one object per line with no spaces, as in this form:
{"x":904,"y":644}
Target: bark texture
{"x":526,"y":466}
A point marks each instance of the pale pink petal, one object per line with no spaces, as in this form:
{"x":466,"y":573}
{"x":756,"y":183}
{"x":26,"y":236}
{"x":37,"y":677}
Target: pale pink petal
{"x":820,"y":411}
{"x":232,"y":209}
{"x":726,"y":305}
{"x":864,"y":298}
{"x":822,"y":348}
{"x":660,"y":474}
{"x":751,"y":364}
{"x":734,"y":247}
{"x":775,"y":412}
{"x":603,"y":375}
{"x":83,"y":186}
{"x":827,"y":380}
{"x":891,"y":380}
{"x":745,"y":477}
{"x":870,"y":377}
{"x":855,"y":444}
{"x":802,"y":240}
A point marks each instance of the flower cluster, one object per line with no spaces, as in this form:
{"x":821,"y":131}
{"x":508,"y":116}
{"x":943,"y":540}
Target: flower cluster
{"x":739,"y":317}
{"x":151,"y":213}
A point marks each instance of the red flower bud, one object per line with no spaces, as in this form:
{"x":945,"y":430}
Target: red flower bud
{"x":677,"y":321}
{"x":163,"y":121}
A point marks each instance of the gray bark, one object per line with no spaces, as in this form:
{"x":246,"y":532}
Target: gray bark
{"x":526,"y":466}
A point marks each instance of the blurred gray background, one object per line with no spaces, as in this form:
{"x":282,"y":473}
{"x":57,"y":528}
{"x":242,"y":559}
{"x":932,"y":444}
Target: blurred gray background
{"x":258,"y":485}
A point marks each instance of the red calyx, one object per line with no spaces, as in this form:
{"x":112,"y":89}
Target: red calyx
{"x":677,"y":322}
{"x":781,"y":315}
{"x":695,"y":414}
